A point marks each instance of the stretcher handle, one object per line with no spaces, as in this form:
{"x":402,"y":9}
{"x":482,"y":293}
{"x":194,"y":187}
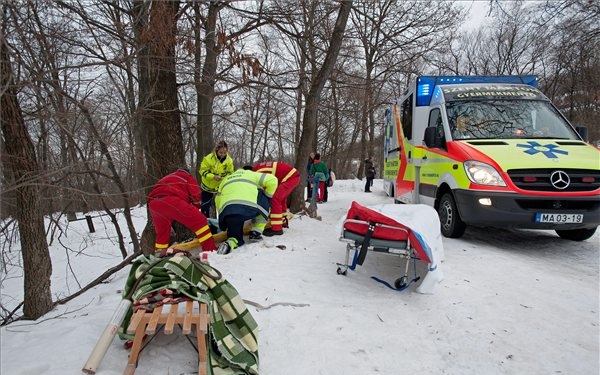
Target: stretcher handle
{"x":380,"y":225}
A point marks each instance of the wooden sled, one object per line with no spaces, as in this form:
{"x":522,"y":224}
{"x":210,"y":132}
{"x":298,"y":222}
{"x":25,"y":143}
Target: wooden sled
{"x":222,"y":235}
{"x":191,"y":316}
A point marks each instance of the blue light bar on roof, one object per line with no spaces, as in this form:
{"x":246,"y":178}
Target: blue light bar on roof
{"x":426,"y":84}
{"x":425,"y":87}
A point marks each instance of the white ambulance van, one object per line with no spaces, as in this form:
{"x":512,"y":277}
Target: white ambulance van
{"x":491,"y":151}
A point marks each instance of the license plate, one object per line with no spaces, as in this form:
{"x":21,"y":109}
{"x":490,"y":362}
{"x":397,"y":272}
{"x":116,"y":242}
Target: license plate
{"x":558,"y":218}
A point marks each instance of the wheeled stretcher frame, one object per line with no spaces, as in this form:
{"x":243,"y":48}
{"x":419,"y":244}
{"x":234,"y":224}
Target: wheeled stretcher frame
{"x":362,"y":243}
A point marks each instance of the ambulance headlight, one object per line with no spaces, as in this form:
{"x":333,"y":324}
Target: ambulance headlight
{"x":483,"y":174}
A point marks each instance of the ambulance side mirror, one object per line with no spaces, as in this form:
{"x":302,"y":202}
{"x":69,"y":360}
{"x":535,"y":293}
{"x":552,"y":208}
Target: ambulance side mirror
{"x":583,"y":132}
{"x":431,"y":137}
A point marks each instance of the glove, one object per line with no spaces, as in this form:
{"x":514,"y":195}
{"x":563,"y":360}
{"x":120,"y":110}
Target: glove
{"x":171,"y":251}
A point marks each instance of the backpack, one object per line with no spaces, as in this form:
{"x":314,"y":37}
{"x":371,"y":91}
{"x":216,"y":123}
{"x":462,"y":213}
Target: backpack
{"x":331,"y":179}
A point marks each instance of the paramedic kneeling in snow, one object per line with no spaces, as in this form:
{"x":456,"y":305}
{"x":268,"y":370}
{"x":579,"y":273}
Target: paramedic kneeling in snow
{"x":176,"y":197}
{"x":244,"y":195}
{"x":288,"y":178}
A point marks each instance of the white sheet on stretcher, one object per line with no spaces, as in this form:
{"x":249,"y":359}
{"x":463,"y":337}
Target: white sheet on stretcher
{"x":423,"y":220}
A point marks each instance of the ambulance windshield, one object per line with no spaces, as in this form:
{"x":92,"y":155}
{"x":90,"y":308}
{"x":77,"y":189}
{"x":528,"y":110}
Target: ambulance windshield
{"x":504,"y":119}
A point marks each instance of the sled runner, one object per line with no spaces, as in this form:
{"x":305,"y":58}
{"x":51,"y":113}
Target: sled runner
{"x":376,"y":229}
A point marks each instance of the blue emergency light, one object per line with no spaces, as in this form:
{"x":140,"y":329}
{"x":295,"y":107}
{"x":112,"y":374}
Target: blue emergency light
{"x":426,"y":84}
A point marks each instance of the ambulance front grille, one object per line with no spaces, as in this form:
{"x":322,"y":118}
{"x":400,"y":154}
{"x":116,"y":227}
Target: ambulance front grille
{"x":540,"y":179}
{"x":559,"y":205}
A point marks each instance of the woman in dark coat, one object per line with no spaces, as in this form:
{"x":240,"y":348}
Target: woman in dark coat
{"x":369,"y":174}
{"x":309,"y":164}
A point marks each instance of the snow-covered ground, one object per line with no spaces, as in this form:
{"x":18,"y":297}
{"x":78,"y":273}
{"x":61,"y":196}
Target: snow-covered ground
{"x":511,"y":302}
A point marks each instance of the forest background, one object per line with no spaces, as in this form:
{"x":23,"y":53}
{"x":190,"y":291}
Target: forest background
{"x":99,"y":99}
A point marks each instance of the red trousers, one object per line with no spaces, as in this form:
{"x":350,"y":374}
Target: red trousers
{"x":279,"y":201}
{"x":165,"y":210}
{"x":321,"y":195}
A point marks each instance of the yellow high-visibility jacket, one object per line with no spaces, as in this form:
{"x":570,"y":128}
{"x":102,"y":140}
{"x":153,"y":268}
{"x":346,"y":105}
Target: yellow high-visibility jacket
{"x":241,"y":187}
{"x":211,"y":166}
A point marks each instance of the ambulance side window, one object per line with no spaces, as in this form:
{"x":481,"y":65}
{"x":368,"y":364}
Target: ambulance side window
{"x":407,"y":111}
{"x":435,"y":121}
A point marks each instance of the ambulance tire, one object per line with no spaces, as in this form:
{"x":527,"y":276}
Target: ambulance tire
{"x":452,"y":225}
{"x":576,"y":234}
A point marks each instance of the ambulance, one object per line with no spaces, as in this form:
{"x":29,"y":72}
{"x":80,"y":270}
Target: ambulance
{"x":493,"y":152}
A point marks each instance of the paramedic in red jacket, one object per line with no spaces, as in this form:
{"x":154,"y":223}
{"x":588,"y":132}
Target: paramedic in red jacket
{"x":288,"y":178}
{"x":176,"y":197}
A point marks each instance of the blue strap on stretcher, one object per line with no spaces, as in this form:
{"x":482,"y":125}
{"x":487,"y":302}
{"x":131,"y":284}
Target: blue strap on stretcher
{"x":393,"y":287}
{"x":388,"y":284}
{"x":416,"y":278}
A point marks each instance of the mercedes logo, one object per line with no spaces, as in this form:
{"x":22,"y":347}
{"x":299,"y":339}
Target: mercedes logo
{"x":560,"y":180}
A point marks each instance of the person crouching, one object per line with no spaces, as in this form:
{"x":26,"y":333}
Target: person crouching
{"x":244,"y":195}
{"x":288,"y":178}
{"x":176,"y":197}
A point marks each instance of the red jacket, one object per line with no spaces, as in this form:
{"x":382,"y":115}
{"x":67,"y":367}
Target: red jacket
{"x":180,"y":184}
{"x":282,"y":171}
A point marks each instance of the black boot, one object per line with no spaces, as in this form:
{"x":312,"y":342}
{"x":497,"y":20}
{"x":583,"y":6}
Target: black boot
{"x":270,"y":232}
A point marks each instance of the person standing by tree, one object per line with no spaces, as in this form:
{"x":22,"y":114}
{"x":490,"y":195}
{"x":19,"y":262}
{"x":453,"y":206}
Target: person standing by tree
{"x":288,"y":178}
{"x":214,"y":167}
{"x":309,"y":163}
{"x":320,"y":172}
{"x":244,"y":195}
{"x":176,"y":197}
{"x":369,"y":174}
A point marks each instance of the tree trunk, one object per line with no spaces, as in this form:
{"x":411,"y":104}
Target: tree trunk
{"x":22,"y":163}
{"x":206,"y":85}
{"x":158,"y":97}
{"x":313,"y":99}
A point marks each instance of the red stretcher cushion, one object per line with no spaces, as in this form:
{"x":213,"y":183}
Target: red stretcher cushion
{"x":358,"y":212}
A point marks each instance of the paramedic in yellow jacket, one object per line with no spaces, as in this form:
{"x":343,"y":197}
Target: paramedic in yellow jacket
{"x":214,"y":167}
{"x":244,"y":195}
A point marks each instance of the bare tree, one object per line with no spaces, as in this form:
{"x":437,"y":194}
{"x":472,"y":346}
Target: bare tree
{"x":221,"y":57}
{"x":22,"y":162}
{"x":391,"y":37}
{"x":555,"y":40}
{"x":571,"y":61}
{"x":314,"y":95}
{"x":156,"y":40}
{"x":205,"y":82}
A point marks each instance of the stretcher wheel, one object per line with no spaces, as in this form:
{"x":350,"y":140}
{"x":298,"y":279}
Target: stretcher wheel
{"x":340,"y":272}
{"x":401,"y":282}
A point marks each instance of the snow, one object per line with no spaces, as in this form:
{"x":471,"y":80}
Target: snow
{"x":510,"y":302}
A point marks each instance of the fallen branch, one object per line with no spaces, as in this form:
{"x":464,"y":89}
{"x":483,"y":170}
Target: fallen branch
{"x":261,"y":307}
{"x":7,"y":319}
{"x":100,"y":278}
{"x":89,"y":286}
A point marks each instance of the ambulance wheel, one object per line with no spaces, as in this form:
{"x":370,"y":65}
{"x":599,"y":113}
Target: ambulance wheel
{"x":576,"y":234}
{"x":451,"y":223}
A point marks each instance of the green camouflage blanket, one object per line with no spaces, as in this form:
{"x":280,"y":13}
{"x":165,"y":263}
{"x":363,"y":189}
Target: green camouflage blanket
{"x":232,"y":347}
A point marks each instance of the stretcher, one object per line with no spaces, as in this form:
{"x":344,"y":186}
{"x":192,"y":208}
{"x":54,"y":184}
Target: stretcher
{"x":368,"y":230}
